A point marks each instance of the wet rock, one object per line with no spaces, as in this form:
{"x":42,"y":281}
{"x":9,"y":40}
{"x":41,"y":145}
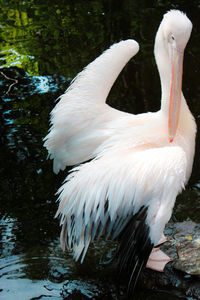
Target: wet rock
{"x":188,"y":248}
{"x":184,"y":246}
{"x":183,"y":273}
{"x":194,"y":291}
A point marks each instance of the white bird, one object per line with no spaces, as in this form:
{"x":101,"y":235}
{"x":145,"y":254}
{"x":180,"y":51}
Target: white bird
{"x":138,"y":163}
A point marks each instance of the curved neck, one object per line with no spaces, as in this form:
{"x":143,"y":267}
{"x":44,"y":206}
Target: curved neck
{"x":164,"y":64}
{"x":164,"y":68}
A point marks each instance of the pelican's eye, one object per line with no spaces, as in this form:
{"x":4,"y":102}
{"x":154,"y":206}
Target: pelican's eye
{"x":171,"y":38}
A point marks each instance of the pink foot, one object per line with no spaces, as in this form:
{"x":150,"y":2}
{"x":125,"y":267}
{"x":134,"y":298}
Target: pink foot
{"x":157,"y":260}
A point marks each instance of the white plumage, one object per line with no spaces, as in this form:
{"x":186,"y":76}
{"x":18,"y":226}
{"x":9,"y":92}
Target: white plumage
{"x":81,"y":119}
{"x":137,"y":160}
{"x":126,"y":178}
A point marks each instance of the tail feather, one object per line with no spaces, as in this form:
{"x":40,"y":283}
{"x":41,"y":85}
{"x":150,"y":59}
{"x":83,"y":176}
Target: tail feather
{"x":135,"y":247}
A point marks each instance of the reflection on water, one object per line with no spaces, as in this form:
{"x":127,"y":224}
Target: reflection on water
{"x":43,"y":46}
{"x":19,"y":276}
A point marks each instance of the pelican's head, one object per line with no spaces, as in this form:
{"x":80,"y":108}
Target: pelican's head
{"x":174,"y":30}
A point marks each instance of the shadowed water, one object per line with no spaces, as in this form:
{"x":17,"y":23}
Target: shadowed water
{"x":43,"y":46}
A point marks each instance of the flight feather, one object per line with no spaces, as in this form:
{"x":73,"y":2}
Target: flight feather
{"x":74,"y":134}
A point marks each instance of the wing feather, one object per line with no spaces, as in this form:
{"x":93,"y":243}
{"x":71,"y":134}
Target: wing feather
{"x":109,"y":190}
{"x":78,"y":127}
{"x":135,"y":247}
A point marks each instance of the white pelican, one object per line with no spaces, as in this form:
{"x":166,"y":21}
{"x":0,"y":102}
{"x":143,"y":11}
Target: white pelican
{"x":138,"y":163}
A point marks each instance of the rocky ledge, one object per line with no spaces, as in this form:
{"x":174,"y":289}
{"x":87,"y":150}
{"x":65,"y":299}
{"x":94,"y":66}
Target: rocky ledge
{"x":183,"y":273}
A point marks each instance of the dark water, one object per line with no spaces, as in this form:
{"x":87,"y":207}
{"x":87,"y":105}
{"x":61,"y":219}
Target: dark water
{"x":43,"y":44}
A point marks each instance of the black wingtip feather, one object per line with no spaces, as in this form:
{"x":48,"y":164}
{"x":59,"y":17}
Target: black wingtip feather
{"x":135,"y":247}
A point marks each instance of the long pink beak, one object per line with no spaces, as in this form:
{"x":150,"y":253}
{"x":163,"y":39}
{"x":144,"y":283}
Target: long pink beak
{"x":175,"y":93}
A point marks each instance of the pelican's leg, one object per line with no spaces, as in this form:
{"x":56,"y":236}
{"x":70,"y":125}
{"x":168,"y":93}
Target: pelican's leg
{"x":158,"y":259}
{"x":162,"y":240}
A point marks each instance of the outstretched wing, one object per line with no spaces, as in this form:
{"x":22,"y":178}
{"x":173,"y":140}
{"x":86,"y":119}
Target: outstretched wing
{"x":79,"y":121}
{"x":104,"y":195}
